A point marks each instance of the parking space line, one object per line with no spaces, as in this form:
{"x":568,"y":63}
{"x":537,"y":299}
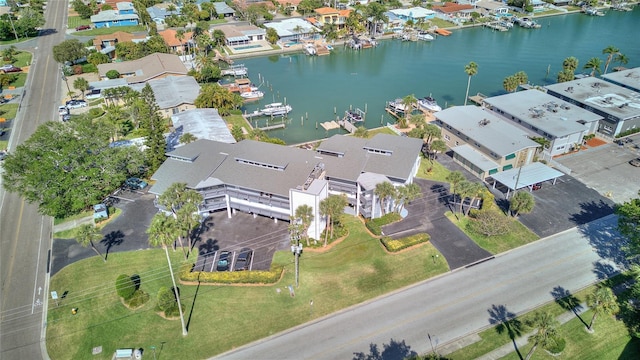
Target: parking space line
{"x":213,"y":261}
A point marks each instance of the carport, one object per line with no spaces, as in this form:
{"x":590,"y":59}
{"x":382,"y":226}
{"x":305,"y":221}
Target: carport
{"x":525,"y":176}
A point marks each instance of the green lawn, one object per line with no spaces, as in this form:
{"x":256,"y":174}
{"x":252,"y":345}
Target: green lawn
{"x":23,"y":59}
{"x":223,"y":316}
{"x":432,"y":170}
{"x":8,"y":111}
{"x":518,"y":235}
{"x":75,"y":21}
{"x":238,"y":120}
{"x":19,"y":82}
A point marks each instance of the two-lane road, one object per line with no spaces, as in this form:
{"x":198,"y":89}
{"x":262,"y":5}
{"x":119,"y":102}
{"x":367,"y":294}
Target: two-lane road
{"x":451,"y":306}
{"x":25,"y":236}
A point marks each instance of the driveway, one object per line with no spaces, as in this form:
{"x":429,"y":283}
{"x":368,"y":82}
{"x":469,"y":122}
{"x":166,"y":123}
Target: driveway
{"x":426,"y":214}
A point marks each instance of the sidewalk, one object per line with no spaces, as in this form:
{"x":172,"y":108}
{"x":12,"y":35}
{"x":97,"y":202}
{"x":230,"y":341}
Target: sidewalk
{"x":507,"y":348}
{"x":72,"y":224}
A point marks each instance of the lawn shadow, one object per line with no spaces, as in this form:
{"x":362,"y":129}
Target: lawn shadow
{"x":567,"y":301}
{"x":394,"y":350}
{"x":193,"y":303}
{"x":113,"y":238}
{"x":506,"y":321}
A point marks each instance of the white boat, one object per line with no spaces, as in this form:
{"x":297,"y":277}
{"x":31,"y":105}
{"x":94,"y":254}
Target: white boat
{"x":276,"y":109}
{"x":429,"y":103}
{"x":310,"y":49}
{"x":252,"y":95}
{"x":425,"y":36}
{"x":353,"y":116}
{"x":396,"y":106}
{"x":329,"y":47}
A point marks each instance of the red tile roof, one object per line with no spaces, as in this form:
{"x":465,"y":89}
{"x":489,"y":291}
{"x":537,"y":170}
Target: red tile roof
{"x":451,"y":7}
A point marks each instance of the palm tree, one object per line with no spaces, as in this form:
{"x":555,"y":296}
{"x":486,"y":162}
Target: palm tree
{"x":464,"y":190}
{"x":332,"y":207}
{"x":611,"y":51}
{"x":521,"y":202}
{"x":455,"y":178}
{"x":86,"y":235}
{"x":602,"y":301}
{"x":405,"y":194}
{"x":545,"y":330}
{"x":180,"y":36}
{"x":436,"y":146}
{"x":594,"y":64}
{"x":510,"y":83}
{"x":474,"y":190}
{"x":304,"y":214}
{"x":361,"y":132}
{"x":162,"y":233}
{"x":376,"y":11}
{"x":182,"y":203}
{"x":409,"y":102}
{"x":81,"y":84}
{"x":471,"y":69}
{"x":384,"y":191}
{"x":570,"y":63}
{"x":621,"y":58}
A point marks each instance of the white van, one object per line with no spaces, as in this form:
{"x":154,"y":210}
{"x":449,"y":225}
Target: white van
{"x":94,"y":94}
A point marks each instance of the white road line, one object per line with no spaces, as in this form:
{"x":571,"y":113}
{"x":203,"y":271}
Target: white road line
{"x":35,"y":281}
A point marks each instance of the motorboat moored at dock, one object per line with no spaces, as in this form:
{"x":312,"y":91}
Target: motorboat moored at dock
{"x":276,"y":109}
{"x":429,"y":104}
{"x":252,"y":95}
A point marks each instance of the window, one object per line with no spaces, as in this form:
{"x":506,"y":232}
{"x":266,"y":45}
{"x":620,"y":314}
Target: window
{"x":507,"y":167}
{"x":493,"y":171}
{"x":446,"y":137}
{"x":510,"y":156}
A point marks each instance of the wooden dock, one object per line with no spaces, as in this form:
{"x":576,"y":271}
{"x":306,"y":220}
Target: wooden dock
{"x":495,"y":26}
{"x":478,"y":98}
{"x":273,"y":127}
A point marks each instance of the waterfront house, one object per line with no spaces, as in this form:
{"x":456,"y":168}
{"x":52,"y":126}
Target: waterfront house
{"x":173,"y":94}
{"x":106,"y":44}
{"x":241,"y":34}
{"x":415,"y":14}
{"x":203,"y":124}
{"x":329,"y":15}
{"x":619,"y":106}
{"x":292,"y":5}
{"x":482,"y":142}
{"x":177,"y":46}
{"x":124,"y":15}
{"x":454,"y":12}
{"x":629,"y":78}
{"x":223,"y":9}
{"x":154,"y":66}
{"x":247,"y":176}
{"x":393,"y":23}
{"x":292,"y":29}
{"x":561,"y":123}
{"x":491,"y":7}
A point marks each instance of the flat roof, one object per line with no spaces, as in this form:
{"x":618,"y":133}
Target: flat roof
{"x":628,"y":78}
{"x":286,"y":27}
{"x":172,"y":91}
{"x":546,"y":112}
{"x":526,"y":176}
{"x":203,"y":124}
{"x":484,"y":127}
{"x":609,"y":98}
{"x":477,"y":158}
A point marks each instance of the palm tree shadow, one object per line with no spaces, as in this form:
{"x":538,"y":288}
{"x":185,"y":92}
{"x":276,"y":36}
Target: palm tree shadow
{"x":567,"y":301}
{"x":394,"y":350}
{"x":193,"y":304}
{"x":198,"y":233}
{"x":113,"y":238}
{"x":506,"y":321}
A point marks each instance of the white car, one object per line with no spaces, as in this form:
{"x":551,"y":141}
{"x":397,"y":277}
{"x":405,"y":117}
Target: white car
{"x":76,"y":104}
{"x":62,"y":110}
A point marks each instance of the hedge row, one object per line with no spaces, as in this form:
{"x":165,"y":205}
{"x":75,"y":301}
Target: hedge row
{"x":375,"y":225}
{"x":232,"y":277}
{"x":393,"y":245}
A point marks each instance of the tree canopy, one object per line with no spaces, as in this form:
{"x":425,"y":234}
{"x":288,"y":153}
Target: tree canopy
{"x":67,"y":167}
{"x":69,"y":50}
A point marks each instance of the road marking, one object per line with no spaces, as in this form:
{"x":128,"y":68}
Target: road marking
{"x":15,"y":247}
{"x":35,"y":280}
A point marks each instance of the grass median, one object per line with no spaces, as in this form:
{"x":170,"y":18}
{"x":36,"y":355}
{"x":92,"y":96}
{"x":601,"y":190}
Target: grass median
{"x":222,"y":317}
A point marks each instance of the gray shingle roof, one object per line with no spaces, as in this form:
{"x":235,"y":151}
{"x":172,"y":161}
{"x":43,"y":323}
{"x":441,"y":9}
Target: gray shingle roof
{"x":146,"y":68}
{"x":173,"y":91}
{"x":203,"y":124}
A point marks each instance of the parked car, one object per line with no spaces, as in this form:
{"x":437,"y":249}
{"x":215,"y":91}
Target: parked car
{"x":76,"y":104}
{"x":66,"y":117}
{"x":635,"y":162}
{"x":135,"y":183}
{"x":224,"y":261}
{"x":9,"y":68}
{"x":62,"y":110}
{"x":536,"y":186}
{"x":83,"y":27}
{"x":244,"y":260}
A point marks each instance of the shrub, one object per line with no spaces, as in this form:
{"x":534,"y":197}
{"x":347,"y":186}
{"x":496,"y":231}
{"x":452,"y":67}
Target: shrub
{"x":489,"y":222}
{"x":235,"y":277}
{"x":125,"y":286}
{"x":95,"y":112}
{"x":393,"y":245}
{"x":556,"y":345}
{"x":375,"y":225}
{"x":166,"y":300}
{"x":77,"y":70}
{"x":89,"y":68}
{"x":138,"y":299}
{"x":113,"y":74}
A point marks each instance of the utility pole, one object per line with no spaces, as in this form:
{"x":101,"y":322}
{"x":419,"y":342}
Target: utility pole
{"x":10,"y":14}
{"x":296,"y":250}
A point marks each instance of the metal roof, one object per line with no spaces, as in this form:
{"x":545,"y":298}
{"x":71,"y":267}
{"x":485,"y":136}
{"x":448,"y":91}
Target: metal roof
{"x":203,"y":124}
{"x":526,"y":176}
{"x":172,"y":91}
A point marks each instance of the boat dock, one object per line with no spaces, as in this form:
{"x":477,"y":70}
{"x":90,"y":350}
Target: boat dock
{"x":495,"y":25}
{"x":272,"y":127}
{"x":478,"y":98}
{"x":235,"y":70}
{"x":442,"y":32}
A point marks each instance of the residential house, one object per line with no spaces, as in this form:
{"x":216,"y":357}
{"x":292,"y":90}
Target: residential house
{"x":329,"y":15}
{"x":619,"y":106}
{"x":173,"y":94}
{"x":177,"y":46}
{"x":393,"y":23}
{"x":223,"y":9}
{"x":292,"y":5}
{"x":245,"y":176}
{"x":203,"y":124}
{"x":159,"y":12}
{"x":241,"y":34}
{"x":454,"y":12}
{"x":629,"y":78}
{"x":561,"y":123}
{"x":482,"y":142}
{"x":124,"y":15}
{"x":491,"y":7}
{"x":415,"y":14}
{"x":292,"y":29}
{"x":150,"y":67}
{"x":106,"y":44}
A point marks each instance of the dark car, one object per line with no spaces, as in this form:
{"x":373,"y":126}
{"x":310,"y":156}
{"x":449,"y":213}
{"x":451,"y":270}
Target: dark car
{"x":135,"y":183}
{"x":224,"y":261}
{"x":243,"y":262}
{"x":83,"y":27}
{"x":635,"y":162}
{"x":5,"y":69}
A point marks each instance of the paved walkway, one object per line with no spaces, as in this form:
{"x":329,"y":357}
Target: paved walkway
{"x":506,"y":349}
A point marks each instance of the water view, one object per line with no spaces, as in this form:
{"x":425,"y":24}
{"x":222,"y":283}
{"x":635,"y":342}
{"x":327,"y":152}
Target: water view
{"x":321,"y":88}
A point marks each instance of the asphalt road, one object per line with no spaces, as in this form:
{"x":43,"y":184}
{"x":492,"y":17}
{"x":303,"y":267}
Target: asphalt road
{"x":454,"y":305}
{"x":26,"y":235}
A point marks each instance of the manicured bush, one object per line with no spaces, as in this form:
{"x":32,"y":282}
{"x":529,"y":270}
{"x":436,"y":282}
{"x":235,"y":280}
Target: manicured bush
{"x":113,"y":74}
{"x":375,"y":225}
{"x":167,"y":301}
{"x":393,"y":245}
{"x":556,"y":345}
{"x":89,"y":68}
{"x":138,"y":299}
{"x":125,"y":286}
{"x":233,"y":277}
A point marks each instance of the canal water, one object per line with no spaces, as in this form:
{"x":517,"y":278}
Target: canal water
{"x":321,"y":88}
